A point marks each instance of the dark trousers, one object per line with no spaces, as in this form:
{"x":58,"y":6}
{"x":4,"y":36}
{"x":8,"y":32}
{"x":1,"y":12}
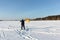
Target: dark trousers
{"x":22,"y":27}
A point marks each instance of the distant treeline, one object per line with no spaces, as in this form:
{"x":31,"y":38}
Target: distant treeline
{"x":54,"y":17}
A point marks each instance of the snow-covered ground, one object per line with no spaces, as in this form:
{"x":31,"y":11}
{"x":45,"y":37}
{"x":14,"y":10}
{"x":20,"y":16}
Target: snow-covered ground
{"x":35,"y":30}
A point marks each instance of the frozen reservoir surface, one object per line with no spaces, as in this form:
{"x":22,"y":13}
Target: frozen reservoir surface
{"x":35,"y":30}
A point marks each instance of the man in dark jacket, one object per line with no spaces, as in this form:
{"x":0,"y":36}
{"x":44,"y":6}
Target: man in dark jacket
{"x":22,"y":24}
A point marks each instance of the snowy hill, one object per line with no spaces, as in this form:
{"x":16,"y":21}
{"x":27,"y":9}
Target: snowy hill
{"x":35,"y":30}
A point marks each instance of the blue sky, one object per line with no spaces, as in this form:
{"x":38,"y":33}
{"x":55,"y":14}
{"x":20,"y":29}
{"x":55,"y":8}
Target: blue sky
{"x":15,"y":9}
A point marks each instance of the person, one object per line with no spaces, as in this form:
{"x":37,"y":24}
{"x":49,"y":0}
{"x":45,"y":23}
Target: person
{"x":22,"y":24}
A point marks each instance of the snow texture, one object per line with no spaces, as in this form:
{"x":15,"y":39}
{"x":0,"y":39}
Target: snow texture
{"x":35,"y":30}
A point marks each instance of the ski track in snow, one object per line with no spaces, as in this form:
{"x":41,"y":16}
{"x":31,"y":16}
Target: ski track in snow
{"x":24,"y":35}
